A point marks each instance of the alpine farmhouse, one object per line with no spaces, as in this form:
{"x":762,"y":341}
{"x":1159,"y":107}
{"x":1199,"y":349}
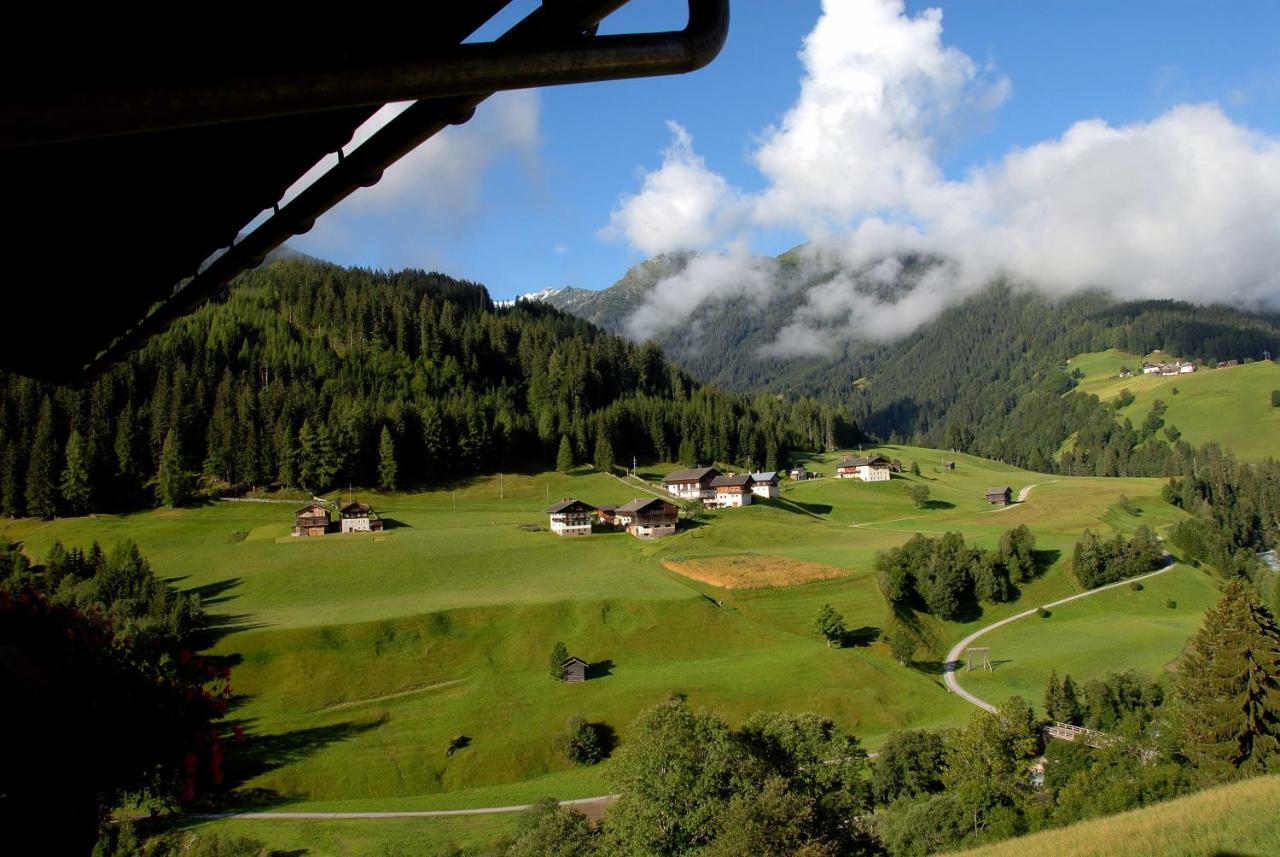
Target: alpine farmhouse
{"x":732,"y":491}
{"x":571,"y":517}
{"x":868,"y":468}
{"x":691,"y":484}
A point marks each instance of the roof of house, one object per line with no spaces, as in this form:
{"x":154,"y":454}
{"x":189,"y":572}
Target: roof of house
{"x":765,"y":476}
{"x":741,"y":480}
{"x":356,"y":509}
{"x":642,"y":504}
{"x":574,"y":659}
{"x":863,"y":461}
{"x":569,"y":504}
{"x":692,"y":474}
{"x":607,"y":508}
{"x":798,"y":467}
{"x":312,"y":509}
{"x":1005,"y":490}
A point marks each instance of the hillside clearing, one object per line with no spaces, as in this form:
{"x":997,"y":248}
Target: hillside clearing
{"x":752,"y":571}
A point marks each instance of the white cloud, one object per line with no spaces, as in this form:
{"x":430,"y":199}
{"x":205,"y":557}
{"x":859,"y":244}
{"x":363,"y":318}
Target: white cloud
{"x":681,"y":206}
{"x":560,"y":249}
{"x":431,"y":192}
{"x":733,"y":273}
{"x":1186,"y":205}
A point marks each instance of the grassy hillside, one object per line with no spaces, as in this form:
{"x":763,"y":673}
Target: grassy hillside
{"x":1231,"y":406}
{"x":360,"y":657}
{"x":1238,"y":819}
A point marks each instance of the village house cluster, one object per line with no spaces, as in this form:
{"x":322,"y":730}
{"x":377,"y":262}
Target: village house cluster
{"x":1177,"y":367}
{"x":316,"y":520}
{"x":650,"y":518}
{"x":717,"y":490}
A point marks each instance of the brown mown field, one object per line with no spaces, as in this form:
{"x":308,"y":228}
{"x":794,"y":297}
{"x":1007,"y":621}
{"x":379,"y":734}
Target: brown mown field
{"x":752,"y":571}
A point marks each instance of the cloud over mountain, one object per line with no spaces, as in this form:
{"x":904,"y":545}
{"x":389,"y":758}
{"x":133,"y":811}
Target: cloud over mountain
{"x":1185,"y":205}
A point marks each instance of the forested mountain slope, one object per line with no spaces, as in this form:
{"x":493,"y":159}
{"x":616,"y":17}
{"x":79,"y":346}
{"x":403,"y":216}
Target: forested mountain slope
{"x":987,"y":376}
{"x":318,"y":376}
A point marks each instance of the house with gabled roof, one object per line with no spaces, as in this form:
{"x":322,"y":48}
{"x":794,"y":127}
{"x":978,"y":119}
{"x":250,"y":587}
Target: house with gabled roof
{"x":732,"y":491}
{"x":649,"y":518}
{"x":359,"y":517}
{"x":313,"y":520}
{"x":868,"y":468}
{"x":765,"y":484}
{"x":693,"y":483}
{"x":571,"y":517}
{"x":1001,"y":496}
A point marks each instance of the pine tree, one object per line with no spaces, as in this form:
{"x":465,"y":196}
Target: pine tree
{"x":307,"y":455}
{"x":688,"y":452}
{"x":604,"y":453}
{"x":288,"y":458}
{"x":173,"y":483}
{"x":564,"y":458}
{"x":76,"y":489}
{"x":1071,"y":711}
{"x":11,"y":495}
{"x":1229,"y":690}
{"x":387,"y":461}
{"x":559,"y":654}
{"x":42,"y":498}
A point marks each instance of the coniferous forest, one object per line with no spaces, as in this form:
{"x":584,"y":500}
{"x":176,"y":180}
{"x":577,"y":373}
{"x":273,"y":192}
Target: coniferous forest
{"x":311,"y":376}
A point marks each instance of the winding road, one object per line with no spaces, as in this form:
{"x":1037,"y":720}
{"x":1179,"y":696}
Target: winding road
{"x":957,"y":651}
{"x":593,"y":807}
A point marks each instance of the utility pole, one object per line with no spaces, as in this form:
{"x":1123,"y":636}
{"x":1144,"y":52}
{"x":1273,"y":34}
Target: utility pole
{"x":502,"y":491}
{"x":455,"y":501}
{"x":633,"y":466}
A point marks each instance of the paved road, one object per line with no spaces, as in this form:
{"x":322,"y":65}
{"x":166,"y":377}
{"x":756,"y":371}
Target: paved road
{"x":957,"y":651}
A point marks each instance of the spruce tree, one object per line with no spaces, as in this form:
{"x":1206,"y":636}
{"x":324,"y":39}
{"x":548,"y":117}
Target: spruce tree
{"x":604,"y":453}
{"x":1229,"y":690}
{"x":42,"y":472}
{"x":307,"y":457}
{"x":11,"y":495}
{"x":387,"y":461}
{"x":688,"y":452}
{"x":76,"y":489}
{"x":173,"y":483}
{"x":288,"y":458}
{"x":564,"y":458}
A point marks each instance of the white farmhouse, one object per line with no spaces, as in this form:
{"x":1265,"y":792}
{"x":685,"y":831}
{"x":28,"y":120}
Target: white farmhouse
{"x":765,"y":484}
{"x":571,"y":517}
{"x":868,"y":468}
{"x":692,"y":484}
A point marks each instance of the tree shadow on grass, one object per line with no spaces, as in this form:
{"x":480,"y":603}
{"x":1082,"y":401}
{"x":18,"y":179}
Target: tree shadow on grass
{"x":260,"y":753}
{"x":215,"y":593}
{"x":860,"y":637}
{"x":1044,"y":560}
{"x":393,"y":524}
{"x":939,"y":504}
{"x":935,"y":667}
{"x":218,"y":626}
{"x":813,"y":510}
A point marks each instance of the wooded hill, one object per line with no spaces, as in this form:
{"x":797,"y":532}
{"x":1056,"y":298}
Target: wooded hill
{"x":988,"y":376}
{"x":317,"y":376}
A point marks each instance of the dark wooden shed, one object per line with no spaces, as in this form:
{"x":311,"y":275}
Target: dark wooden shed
{"x":575,"y":669}
{"x":1000,"y":496}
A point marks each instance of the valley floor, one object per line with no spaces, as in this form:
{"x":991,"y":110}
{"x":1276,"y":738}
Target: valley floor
{"x":360,"y":657}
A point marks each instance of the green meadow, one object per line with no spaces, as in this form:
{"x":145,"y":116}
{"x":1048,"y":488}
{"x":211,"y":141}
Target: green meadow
{"x":1231,"y":406}
{"x":360,"y":657}
{"x":1238,"y":819}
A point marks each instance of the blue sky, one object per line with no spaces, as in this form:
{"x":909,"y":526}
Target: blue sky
{"x":525,"y":208}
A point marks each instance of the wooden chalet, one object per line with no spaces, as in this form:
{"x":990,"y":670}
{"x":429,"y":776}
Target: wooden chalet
{"x":575,"y":670}
{"x":571,"y":517}
{"x":313,"y":520}
{"x":765,"y":483}
{"x":359,"y":517}
{"x":868,"y":468}
{"x":607,"y":515}
{"x":650,"y":518}
{"x":732,"y":491}
{"x":799,"y":473}
{"x":1000,"y":496}
{"x":691,"y":484}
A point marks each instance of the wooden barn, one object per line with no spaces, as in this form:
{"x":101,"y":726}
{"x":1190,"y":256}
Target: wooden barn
{"x":571,"y":517}
{"x":575,"y":670}
{"x":359,"y":518}
{"x":313,"y":520}
{"x":649,"y":519}
{"x":1000,"y":496}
